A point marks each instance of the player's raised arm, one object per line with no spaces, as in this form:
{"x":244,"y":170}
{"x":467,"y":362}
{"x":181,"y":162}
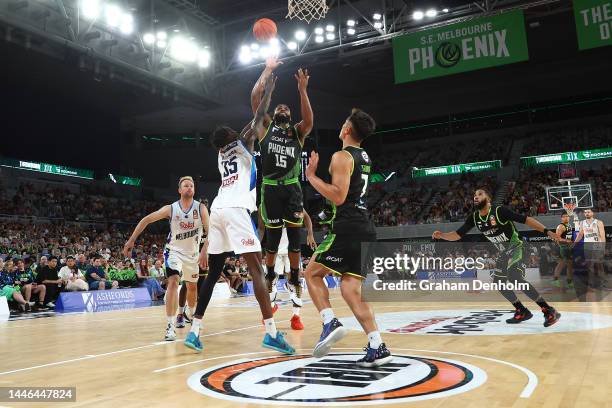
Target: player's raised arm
{"x":340,"y":169}
{"x":162,"y":213}
{"x":305,"y":125}
{"x":258,"y":127}
{"x":258,"y":89}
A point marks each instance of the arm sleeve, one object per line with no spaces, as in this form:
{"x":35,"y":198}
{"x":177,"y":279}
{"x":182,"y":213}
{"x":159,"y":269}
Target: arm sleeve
{"x":467,"y":225}
{"x":505,"y":214}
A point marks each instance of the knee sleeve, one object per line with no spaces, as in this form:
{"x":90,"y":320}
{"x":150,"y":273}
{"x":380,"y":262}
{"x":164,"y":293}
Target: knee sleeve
{"x":294,"y":238}
{"x":273,"y":237}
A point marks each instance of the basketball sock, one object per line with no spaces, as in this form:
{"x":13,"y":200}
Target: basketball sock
{"x":542,"y":303}
{"x":294,"y":278}
{"x":374,"y":339}
{"x":518,"y":305}
{"x":270,"y":272}
{"x":270,"y":327}
{"x":181,"y":309}
{"x":296,"y":311}
{"x":195,"y":326}
{"x":171,"y":320}
{"x":327,"y":315}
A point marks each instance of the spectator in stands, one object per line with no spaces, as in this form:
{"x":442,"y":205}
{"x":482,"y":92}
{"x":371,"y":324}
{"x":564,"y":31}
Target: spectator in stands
{"x":96,"y":277}
{"x":48,"y":277}
{"x":148,"y":281}
{"x":29,"y":287}
{"x":157,"y":271}
{"x":41,"y":264}
{"x":9,"y":287}
{"x":82,"y":262}
{"x":72,"y":278}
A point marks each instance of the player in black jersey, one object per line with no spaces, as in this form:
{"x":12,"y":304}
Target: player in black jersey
{"x":281,"y":145}
{"x":340,"y":251}
{"x":566,"y":252}
{"x":497,"y":225}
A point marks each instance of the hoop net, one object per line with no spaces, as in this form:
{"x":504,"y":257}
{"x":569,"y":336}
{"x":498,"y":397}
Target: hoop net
{"x":569,"y":208}
{"x":306,"y":10}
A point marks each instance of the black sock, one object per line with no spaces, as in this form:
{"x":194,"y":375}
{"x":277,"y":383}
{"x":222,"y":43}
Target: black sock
{"x":294,"y":279}
{"x":518,"y":305}
{"x":542,"y":303}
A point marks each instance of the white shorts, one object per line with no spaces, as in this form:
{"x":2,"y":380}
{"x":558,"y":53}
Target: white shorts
{"x":232,"y":229}
{"x":282,"y":265}
{"x":187,"y":266}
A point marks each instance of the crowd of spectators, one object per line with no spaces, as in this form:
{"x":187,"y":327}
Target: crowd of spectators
{"x":568,"y":140}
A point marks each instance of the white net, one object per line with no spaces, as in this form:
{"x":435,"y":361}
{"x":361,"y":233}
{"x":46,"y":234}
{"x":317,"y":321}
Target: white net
{"x":307,"y":10}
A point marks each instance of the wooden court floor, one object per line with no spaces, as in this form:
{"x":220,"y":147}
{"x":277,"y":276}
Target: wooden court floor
{"x":118,"y":359}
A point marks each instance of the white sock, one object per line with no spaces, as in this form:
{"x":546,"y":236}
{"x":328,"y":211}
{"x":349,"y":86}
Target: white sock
{"x":181,"y":309}
{"x":171,"y":321}
{"x":374,"y":339}
{"x":327,"y":315}
{"x":270,"y":327}
{"x":296,"y":311}
{"x":195,"y":326}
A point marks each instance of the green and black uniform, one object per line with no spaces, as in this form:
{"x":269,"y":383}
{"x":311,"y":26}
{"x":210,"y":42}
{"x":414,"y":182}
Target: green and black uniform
{"x":350,"y":223}
{"x":498,"y":228}
{"x":281,"y":194}
{"x":565,"y":250}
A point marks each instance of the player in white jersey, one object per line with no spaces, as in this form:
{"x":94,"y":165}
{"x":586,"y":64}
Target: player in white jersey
{"x":593,"y":232}
{"x":231,"y":225}
{"x":282,"y":266}
{"x":188,"y":220}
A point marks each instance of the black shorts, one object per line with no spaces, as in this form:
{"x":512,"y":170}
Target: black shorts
{"x":341,"y":253}
{"x":281,"y":204}
{"x":566,"y":252}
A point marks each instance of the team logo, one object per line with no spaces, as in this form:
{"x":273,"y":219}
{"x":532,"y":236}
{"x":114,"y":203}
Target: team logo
{"x":333,"y":258}
{"x":195,"y":214}
{"x":365,"y":156}
{"x":492,"y":220}
{"x":448,"y":55}
{"x":336,"y":380}
{"x":248,"y":242}
{"x":478,"y":322}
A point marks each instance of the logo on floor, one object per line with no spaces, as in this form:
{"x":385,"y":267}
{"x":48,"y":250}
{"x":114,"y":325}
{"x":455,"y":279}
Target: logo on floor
{"x":480,"y":322}
{"x":336,"y":380}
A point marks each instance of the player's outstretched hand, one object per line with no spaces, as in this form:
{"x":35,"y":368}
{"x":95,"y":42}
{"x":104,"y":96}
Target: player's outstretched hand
{"x":311,"y":170}
{"x":302,"y":78}
{"x":437,"y":235}
{"x":272,"y":63}
{"x":311,"y":242}
{"x":127,"y":249}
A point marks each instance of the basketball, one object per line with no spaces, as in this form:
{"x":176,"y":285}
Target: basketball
{"x":264,"y":29}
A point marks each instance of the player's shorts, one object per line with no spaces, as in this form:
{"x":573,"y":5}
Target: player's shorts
{"x":232,"y":229}
{"x":594,"y":251}
{"x":341,"y":253}
{"x":8,"y":291}
{"x":186,"y":266}
{"x":281,"y":204}
{"x":510,"y":268}
{"x":282,"y":265}
{"x":566,"y":252}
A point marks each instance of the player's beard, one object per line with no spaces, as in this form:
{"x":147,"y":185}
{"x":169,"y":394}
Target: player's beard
{"x":281,"y":119}
{"x":480,"y":205}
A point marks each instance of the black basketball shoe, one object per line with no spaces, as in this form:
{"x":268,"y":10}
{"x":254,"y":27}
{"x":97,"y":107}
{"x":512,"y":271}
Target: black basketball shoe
{"x":520,"y":315}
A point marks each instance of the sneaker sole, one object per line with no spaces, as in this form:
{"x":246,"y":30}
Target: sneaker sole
{"x":169,"y":338}
{"x":284,"y":351}
{"x":376,"y":363}
{"x":558,"y":316}
{"x":180,"y":326}
{"x":520,"y":321}
{"x":324,"y":347}
{"x":193,"y":347}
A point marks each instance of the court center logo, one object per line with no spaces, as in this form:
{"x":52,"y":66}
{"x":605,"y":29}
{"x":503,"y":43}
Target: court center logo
{"x":336,"y":380}
{"x":479,"y":322}
{"x":448,"y":54}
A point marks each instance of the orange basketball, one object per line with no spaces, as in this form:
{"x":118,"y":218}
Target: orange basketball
{"x":264,"y":29}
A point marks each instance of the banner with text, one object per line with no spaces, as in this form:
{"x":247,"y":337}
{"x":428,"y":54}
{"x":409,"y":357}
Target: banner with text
{"x":555,"y":158}
{"x":475,"y":44}
{"x":456,"y":169}
{"x":593,"y":23}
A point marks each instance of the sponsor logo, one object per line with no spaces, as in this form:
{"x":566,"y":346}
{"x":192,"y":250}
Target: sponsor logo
{"x":89,"y":301}
{"x":492,"y":220}
{"x":229,"y":181}
{"x":365,"y":156}
{"x":481,"y":322}
{"x":248,"y":242}
{"x":186,"y":224}
{"x":195,"y":276}
{"x":336,"y":380}
{"x":333,"y":258}
{"x":273,"y":220}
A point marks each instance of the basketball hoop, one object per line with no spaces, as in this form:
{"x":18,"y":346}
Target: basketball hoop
{"x":569,"y":208}
{"x":307,"y":10}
